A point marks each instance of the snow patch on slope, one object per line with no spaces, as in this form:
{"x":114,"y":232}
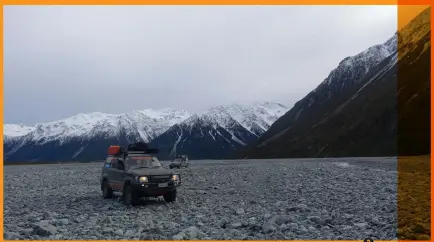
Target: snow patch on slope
{"x":173,"y":151}
{"x":15,"y":130}
{"x":79,"y":151}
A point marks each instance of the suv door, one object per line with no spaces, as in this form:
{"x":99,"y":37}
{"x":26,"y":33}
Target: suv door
{"x":117,"y":174}
{"x":106,"y":168}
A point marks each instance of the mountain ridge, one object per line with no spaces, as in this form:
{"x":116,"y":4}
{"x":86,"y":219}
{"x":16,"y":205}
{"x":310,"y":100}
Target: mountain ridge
{"x":325,"y":123}
{"x":72,"y":137}
{"x":217,"y":132}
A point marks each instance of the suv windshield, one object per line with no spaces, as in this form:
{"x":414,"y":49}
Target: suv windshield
{"x":135,"y":162}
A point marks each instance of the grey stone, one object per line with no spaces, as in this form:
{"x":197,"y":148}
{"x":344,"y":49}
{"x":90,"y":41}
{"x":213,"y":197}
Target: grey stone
{"x":10,"y":235}
{"x":45,"y":230}
{"x":239,"y":211}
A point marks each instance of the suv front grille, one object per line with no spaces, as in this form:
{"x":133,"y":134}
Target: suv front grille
{"x":160,"y":178}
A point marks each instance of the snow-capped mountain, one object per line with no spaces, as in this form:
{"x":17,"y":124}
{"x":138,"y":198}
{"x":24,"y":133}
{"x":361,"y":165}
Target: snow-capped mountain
{"x":218,"y":131}
{"x":75,"y":135}
{"x":350,"y":73}
{"x":87,"y":136}
{"x":146,"y":124}
{"x":354,"y":111}
{"x":351,"y":69}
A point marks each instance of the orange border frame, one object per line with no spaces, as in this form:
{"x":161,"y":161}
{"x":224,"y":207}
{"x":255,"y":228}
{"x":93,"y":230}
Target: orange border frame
{"x":407,"y":9}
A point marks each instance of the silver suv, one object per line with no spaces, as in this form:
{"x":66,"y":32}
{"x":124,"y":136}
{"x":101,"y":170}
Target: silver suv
{"x":180,"y":161}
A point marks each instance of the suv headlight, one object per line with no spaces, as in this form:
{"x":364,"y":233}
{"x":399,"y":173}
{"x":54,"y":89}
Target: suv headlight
{"x":175,"y":177}
{"x":142,"y":179}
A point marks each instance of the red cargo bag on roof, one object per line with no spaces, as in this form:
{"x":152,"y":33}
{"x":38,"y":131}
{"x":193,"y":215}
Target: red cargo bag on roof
{"x":114,"y":150}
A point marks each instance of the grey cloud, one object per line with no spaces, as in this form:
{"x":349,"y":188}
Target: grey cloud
{"x":63,"y":60}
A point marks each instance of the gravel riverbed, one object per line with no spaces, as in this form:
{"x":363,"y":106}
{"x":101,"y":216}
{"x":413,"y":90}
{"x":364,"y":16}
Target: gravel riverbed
{"x":303,"y":199}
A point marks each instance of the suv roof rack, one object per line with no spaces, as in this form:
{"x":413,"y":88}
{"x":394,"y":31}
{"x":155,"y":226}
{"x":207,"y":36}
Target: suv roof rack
{"x":140,"y":147}
{"x":135,"y":148}
{"x":148,"y":151}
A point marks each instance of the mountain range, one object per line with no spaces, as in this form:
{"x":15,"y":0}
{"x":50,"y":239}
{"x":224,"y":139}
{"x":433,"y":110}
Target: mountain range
{"x":86,"y":137}
{"x":375,"y":103}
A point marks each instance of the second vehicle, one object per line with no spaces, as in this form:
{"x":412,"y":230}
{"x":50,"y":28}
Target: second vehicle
{"x":180,"y":161}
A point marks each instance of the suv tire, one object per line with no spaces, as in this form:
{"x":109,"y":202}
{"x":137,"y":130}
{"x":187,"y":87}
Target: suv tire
{"x":129,"y":196}
{"x":107,"y":192}
{"x":170,"y":196}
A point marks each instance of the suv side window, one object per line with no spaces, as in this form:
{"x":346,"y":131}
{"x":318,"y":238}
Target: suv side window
{"x":121,"y":164}
{"x":114,"y":163}
{"x":107,"y":162}
{"x":117,"y":163}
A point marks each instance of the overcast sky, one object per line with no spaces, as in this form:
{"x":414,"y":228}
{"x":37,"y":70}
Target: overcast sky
{"x":63,"y":60}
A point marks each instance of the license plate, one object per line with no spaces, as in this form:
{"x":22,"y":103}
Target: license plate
{"x":162,"y":185}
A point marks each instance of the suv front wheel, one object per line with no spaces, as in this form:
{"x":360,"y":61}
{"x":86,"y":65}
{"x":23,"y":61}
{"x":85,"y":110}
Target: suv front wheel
{"x":170,"y":196}
{"x":129,"y":195}
{"x":107,"y":192}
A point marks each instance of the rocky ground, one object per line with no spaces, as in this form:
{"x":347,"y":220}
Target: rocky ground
{"x":324,"y":199}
